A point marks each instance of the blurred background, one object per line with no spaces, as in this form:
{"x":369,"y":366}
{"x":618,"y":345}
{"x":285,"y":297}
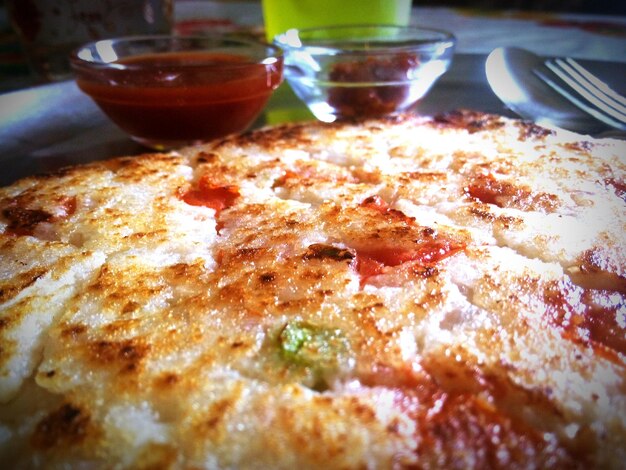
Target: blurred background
{"x":603,"y":18}
{"x":602,"y":7}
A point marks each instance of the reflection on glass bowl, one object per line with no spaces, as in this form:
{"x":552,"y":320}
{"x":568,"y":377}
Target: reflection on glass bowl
{"x":364,"y":71}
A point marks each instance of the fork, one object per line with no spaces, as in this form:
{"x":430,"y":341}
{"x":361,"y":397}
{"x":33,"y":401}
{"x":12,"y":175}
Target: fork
{"x":586,"y":91}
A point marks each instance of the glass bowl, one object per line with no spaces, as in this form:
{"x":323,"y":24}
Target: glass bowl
{"x":364,"y":71}
{"x":171,"y":91}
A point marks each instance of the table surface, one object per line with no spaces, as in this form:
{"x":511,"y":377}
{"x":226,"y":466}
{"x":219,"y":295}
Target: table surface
{"x":598,"y":37}
{"x":48,"y":126}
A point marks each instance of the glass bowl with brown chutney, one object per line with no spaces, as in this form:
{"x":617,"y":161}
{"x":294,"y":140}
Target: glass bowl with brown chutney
{"x":364,"y":70}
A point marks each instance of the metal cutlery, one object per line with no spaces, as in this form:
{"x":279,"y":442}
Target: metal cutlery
{"x":513,"y":75}
{"x":584,"y":90}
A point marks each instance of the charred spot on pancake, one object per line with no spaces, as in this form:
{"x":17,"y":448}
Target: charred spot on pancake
{"x":130,"y":307}
{"x":247,"y":252}
{"x":23,"y":216}
{"x":580,"y":146}
{"x":597,"y":260}
{"x":322,"y":251}
{"x":588,"y":316}
{"x":207,"y":157}
{"x":66,"y":426}
{"x":126,"y":356}
{"x":426,"y":176}
{"x":379,"y":205}
{"x":23,"y":220}
{"x":530,"y":130}
{"x":116,"y":164}
{"x":267,"y":277}
{"x":167,"y":380}
{"x":424,"y":272}
{"x":269,"y":138}
{"x":22,"y":281}
{"x":213,"y":421}
{"x":482,"y":212}
{"x":597,"y":270}
{"x":618,"y":187}
{"x":135,"y":169}
{"x":73,"y":331}
{"x":471,"y":121}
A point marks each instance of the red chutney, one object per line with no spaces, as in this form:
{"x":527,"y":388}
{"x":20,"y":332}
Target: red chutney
{"x":429,"y":248}
{"x":182,"y":97}
{"x":207,"y":194}
{"x":588,"y":316}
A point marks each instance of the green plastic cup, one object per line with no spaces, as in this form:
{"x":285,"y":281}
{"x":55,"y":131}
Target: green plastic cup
{"x":281,"y":15}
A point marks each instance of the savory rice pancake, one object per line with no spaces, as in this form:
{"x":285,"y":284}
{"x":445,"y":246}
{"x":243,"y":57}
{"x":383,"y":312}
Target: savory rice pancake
{"x":406,"y":292}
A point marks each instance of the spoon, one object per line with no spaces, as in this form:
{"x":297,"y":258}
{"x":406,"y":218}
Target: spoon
{"x":510,"y":74}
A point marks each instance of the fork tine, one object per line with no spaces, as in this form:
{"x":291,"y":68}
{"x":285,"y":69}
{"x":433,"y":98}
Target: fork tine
{"x":563,"y":70}
{"x":599,"y":115}
{"x":590,"y":85}
{"x":597,"y":82}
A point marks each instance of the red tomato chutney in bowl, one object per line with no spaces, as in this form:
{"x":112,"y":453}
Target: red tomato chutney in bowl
{"x":169,"y":91}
